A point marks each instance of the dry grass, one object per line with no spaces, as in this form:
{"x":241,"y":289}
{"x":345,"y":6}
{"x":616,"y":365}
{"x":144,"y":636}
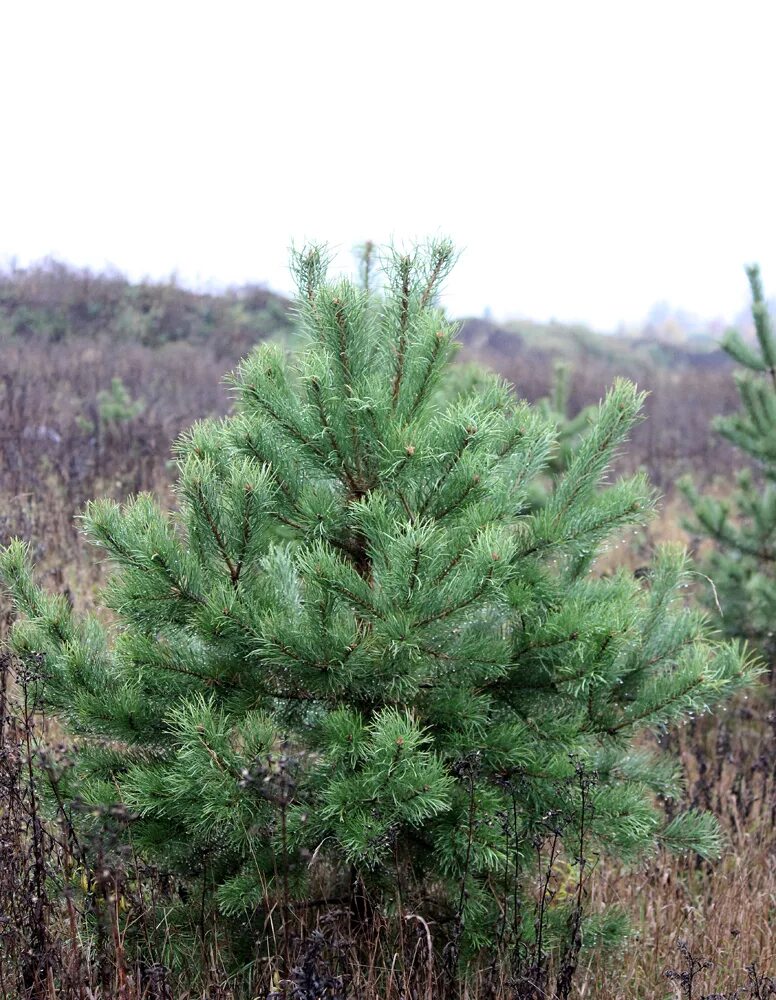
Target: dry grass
{"x":725,"y":911}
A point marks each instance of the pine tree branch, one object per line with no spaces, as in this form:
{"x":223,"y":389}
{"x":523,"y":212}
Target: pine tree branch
{"x":437,"y":654}
{"x":341,"y":321}
{"x":428,"y":291}
{"x":406,"y":270}
{"x":406,"y":506}
{"x":454,"y":609}
{"x":515,"y":438}
{"x":349,"y":480}
{"x":317,"y":665}
{"x":218,"y":537}
{"x":447,"y":469}
{"x":459,"y":501}
{"x":611,"y":521}
{"x":697,"y":682}
{"x":303,"y":696}
{"x":689,"y":641}
{"x":224,"y":768}
{"x":725,"y":536}
{"x":441,"y":576}
{"x":179,"y":589}
{"x":119,"y":548}
{"x":207,"y":679}
{"x":422,"y":392}
{"x":603,"y":447}
{"x":291,"y":524}
{"x":546,"y":644}
{"x":355,"y":599}
{"x":267,"y":463}
{"x":246,"y":531}
{"x":413,"y":577}
{"x":290,"y":429}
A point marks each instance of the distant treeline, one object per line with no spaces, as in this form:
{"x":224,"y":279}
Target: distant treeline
{"x":54,"y":301}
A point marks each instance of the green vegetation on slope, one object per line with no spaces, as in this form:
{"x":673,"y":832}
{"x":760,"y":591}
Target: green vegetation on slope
{"x":55,"y":301}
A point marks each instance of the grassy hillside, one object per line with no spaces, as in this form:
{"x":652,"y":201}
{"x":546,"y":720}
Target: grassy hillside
{"x":581,"y":345}
{"x":55,"y":302}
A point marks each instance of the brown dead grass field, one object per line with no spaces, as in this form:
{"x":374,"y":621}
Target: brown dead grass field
{"x":725,"y":911}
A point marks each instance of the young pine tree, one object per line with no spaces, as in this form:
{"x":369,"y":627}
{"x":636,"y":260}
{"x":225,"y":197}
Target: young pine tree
{"x":355,"y":660}
{"x":743,"y":526}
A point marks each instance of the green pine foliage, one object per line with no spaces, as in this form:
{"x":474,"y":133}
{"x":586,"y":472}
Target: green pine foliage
{"x":356,"y":659}
{"x":469,"y":377}
{"x":743,"y":526}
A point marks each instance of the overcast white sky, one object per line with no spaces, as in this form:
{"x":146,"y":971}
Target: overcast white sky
{"x":590,"y":158}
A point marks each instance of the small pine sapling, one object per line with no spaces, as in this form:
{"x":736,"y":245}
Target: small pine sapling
{"x":356,"y":660}
{"x":742,"y":564}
